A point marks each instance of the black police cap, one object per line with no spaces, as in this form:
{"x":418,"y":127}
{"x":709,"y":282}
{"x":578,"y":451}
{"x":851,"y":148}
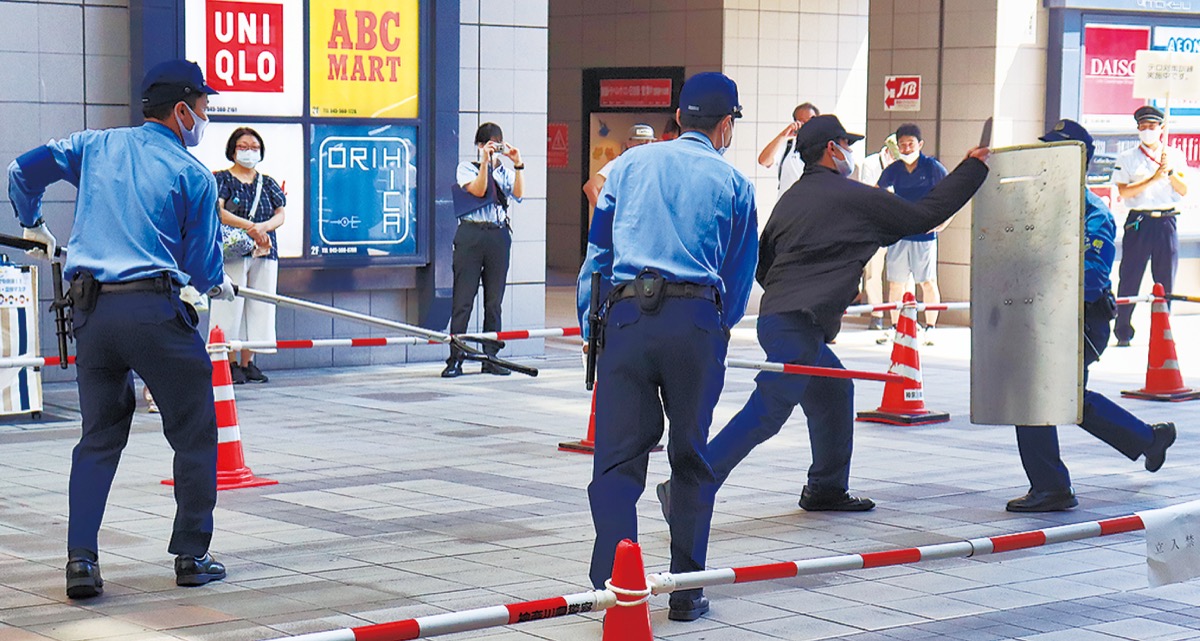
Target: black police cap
{"x":1148,"y":113}
{"x":820,"y":130}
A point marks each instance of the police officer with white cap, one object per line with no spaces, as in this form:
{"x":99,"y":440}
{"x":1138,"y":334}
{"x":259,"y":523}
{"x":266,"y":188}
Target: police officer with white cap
{"x":677,"y":248}
{"x":145,"y":225}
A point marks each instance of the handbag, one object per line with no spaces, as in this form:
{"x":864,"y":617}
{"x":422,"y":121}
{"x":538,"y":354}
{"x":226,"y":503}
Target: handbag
{"x":235,"y":242}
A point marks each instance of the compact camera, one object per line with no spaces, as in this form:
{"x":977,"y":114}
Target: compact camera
{"x":501,"y":148}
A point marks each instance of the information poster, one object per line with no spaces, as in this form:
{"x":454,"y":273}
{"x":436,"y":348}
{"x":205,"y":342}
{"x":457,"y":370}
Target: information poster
{"x":1181,"y":40}
{"x":283,"y":160}
{"x":364,"y":58}
{"x":1109,"y":58}
{"x":364,"y":191}
{"x":252,"y":52}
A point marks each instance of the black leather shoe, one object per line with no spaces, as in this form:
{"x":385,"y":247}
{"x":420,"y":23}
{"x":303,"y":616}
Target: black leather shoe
{"x":1156,"y":454}
{"x":1124,"y":342}
{"x":1049,"y":501}
{"x":83,"y":578}
{"x":664,"y":499}
{"x":453,"y":370}
{"x":192,"y":571}
{"x":833,"y":502}
{"x":495,"y":370}
{"x":687,"y":609}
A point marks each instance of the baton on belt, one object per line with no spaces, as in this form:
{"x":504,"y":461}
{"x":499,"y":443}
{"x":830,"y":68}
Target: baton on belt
{"x":468,"y":352}
{"x":61,"y":302}
{"x":593,"y":333}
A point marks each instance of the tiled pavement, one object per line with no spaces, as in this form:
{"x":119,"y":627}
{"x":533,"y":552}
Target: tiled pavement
{"x":402,"y":494}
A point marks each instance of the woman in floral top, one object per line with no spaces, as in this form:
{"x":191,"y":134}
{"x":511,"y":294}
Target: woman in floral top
{"x":241,"y":189}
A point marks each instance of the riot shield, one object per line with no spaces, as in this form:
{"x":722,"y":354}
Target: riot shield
{"x":1027,"y":287}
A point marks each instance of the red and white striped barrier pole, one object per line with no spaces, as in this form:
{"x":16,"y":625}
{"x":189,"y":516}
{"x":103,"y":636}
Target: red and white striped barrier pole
{"x":33,"y":361}
{"x":809,"y":370}
{"x":595,"y":601}
{"x":512,"y":335}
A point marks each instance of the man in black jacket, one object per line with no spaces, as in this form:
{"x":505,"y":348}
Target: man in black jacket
{"x":812,"y":252}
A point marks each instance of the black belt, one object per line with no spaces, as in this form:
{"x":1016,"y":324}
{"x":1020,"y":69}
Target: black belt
{"x":483,"y":225}
{"x":672,"y":290}
{"x":1155,"y":213}
{"x":162,"y":283}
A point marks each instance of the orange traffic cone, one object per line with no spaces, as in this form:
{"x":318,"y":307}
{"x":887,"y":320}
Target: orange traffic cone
{"x":1163,"y":380}
{"x":904,"y":403}
{"x":232,"y":472}
{"x":629,"y":619}
{"x":588,"y":445}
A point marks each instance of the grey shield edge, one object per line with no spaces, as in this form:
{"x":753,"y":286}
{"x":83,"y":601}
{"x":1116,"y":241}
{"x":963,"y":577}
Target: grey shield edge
{"x":1027,"y":287}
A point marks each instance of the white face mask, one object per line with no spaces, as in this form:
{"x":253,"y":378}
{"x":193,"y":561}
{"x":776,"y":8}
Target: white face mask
{"x":248,"y":158}
{"x":726,"y":143}
{"x":1150,"y":137}
{"x":845,"y":165}
{"x":910,"y":158}
{"x":191,"y":137}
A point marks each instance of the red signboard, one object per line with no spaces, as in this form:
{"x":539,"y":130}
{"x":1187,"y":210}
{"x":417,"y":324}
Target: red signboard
{"x":635,"y":92}
{"x":902,"y":93}
{"x":557,"y":150}
{"x":1108,"y":63}
{"x":1189,"y":144}
{"x":245,"y":46}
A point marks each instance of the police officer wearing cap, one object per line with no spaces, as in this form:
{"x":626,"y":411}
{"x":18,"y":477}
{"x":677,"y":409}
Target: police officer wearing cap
{"x":674,"y":238}
{"x":1049,"y":481}
{"x":812,"y":252}
{"x":145,"y":225}
{"x":1150,"y":178}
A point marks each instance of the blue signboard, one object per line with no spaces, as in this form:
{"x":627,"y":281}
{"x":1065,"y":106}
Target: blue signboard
{"x":364,"y":191}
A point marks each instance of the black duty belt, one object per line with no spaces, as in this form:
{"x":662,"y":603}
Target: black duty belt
{"x":160,"y":284}
{"x":1156,"y":213}
{"x":672,"y":290}
{"x":483,"y":225}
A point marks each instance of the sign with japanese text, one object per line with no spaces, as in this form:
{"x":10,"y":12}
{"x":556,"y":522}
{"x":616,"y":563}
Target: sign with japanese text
{"x":364,"y":58}
{"x":1109,"y":60}
{"x":1167,"y":74}
{"x":557,"y":147}
{"x":251,"y":52}
{"x":364,"y":191}
{"x":1172,"y":543}
{"x":902,"y":93}
{"x":635,"y":92}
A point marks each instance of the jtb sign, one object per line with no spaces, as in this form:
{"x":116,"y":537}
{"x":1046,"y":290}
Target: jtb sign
{"x":245,"y":46}
{"x":902,"y":93}
{"x":364,"y":191}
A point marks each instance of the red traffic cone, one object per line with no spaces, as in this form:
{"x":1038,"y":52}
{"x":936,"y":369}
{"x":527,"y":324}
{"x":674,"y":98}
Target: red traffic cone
{"x":904,"y":403}
{"x":629,"y":619}
{"x":1163,"y":380}
{"x":588,"y":445}
{"x":232,"y":472}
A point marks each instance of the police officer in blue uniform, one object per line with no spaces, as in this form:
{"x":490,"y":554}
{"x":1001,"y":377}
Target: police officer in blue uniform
{"x":1050,"y":482}
{"x":675,"y":237}
{"x":145,"y":225}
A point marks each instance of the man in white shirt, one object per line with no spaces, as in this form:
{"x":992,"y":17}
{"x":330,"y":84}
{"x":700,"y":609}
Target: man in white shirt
{"x":789,"y":163}
{"x":1150,"y":178}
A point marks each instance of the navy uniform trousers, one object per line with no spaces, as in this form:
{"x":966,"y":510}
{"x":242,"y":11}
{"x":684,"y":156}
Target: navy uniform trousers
{"x":828,"y":404}
{"x":153,"y":334}
{"x":673,"y":360}
{"x":1102,"y":418}
{"x":481,"y":254}
{"x":1152,"y":240}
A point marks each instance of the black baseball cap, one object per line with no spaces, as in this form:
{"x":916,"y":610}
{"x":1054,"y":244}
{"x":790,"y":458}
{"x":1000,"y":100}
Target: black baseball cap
{"x":1067,"y":129}
{"x":820,"y":130}
{"x":171,"y":81}
{"x":1148,"y":113}
{"x":710,"y":93}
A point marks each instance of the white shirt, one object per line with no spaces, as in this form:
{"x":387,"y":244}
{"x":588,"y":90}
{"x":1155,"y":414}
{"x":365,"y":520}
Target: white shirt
{"x":603,"y":172}
{"x":870,"y":169}
{"x":790,"y":169}
{"x":1135,"y":166}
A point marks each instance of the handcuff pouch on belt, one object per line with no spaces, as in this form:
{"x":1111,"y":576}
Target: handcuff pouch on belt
{"x":651,"y":288}
{"x":1105,"y":306}
{"x":83,"y":291}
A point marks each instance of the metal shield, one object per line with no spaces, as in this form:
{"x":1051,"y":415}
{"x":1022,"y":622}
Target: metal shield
{"x":1027,"y":287}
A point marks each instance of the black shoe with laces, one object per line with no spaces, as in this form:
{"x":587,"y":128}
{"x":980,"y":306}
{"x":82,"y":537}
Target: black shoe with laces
{"x":453,"y":369}
{"x":83,"y":576}
{"x":193,"y":571}
{"x":253,"y":374}
{"x":495,"y":370}
{"x":1043,"y":501}
{"x":687,"y":608}
{"x":837,"y":501}
{"x":1156,"y":454}
{"x":237,"y":374}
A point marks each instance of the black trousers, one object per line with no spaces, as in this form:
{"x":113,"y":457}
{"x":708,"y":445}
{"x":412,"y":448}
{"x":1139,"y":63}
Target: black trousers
{"x":481,"y":254}
{"x":1154,"y":241}
{"x":153,"y":334}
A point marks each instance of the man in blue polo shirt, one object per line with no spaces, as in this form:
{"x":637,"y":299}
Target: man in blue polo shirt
{"x":911,"y":179}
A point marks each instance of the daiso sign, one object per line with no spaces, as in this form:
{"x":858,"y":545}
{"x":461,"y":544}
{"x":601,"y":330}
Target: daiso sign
{"x":245,"y":46}
{"x":1108,"y":66}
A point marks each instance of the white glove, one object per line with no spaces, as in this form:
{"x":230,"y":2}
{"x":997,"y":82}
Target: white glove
{"x":41,"y":234}
{"x":224,"y":291}
{"x":194,"y":298}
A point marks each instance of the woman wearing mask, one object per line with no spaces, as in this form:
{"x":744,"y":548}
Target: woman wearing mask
{"x":252,"y":204}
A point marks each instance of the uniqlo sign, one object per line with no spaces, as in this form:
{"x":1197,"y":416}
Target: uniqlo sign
{"x":245,"y":46}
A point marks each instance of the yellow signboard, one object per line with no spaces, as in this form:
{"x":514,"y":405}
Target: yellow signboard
{"x":364,"y":58}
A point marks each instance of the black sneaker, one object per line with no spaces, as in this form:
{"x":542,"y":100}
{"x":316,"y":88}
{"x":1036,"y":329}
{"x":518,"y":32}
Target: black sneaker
{"x":254,"y":375}
{"x":193,"y":571}
{"x":237,"y":374}
{"x":83,"y":577}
